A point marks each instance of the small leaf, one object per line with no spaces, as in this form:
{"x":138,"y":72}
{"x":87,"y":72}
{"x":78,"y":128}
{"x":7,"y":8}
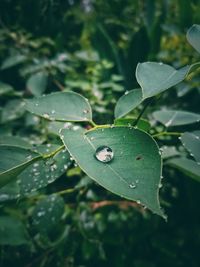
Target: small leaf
{"x":61,"y":106}
{"x":175,"y":117}
{"x":128,"y":102}
{"x":193,"y":36}
{"x":5,"y":88}
{"x":141,"y":124}
{"x":155,"y":78}
{"x":191,"y":142}
{"x":13,"y":61}
{"x":37,"y":83}
{"x":12,"y":231}
{"x":187,"y":166}
{"x":48,"y":213}
{"x":169,"y":152}
{"x":13,"y":110}
{"x":13,"y":161}
{"x":135,"y":169}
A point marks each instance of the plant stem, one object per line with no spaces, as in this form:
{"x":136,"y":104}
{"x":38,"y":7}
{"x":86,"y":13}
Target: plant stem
{"x":143,"y":110}
{"x":166,"y":134}
{"x":53,"y":153}
{"x":93,"y":123}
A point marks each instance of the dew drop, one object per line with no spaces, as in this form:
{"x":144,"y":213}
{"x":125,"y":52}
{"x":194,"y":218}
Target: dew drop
{"x":132,"y":185}
{"x":46,"y":116}
{"x":104,"y":154}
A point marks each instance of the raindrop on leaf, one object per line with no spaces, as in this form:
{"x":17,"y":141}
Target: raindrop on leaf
{"x":104,"y":154}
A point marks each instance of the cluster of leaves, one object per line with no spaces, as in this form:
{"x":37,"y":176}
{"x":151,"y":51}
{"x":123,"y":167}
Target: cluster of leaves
{"x":47,"y":161}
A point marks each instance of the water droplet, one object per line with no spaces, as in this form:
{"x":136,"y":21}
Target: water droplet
{"x":46,"y":116}
{"x":85,"y":111}
{"x":53,"y":112}
{"x":132,"y":185}
{"x":104,"y":154}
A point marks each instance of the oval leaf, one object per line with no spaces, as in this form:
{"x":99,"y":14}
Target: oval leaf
{"x":61,"y":106}
{"x":155,"y":78}
{"x":193,"y":36}
{"x":37,"y":83}
{"x":175,"y":117}
{"x":13,"y":161}
{"x":128,"y":102}
{"x":191,"y":142}
{"x":187,"y":166}
{"x":134,"y":172}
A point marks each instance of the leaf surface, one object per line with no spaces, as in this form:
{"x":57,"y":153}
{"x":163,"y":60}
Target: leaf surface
{"x":128,"y":102}
{"x":61,"y":106}
{"x":13,"y":161}
{"x":176,"y":117}
{"x":191,"y":142}
{"x":154,"y":78}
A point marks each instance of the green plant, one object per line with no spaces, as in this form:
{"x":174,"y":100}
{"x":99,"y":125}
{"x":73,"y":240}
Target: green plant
{"x":122,"y":157}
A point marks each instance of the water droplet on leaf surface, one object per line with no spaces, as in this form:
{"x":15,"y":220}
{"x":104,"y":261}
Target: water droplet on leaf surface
{"x":104,"y":154}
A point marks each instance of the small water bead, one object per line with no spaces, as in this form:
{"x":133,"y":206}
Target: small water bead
{"x":104,"y":154}
{"x":132,"y":185}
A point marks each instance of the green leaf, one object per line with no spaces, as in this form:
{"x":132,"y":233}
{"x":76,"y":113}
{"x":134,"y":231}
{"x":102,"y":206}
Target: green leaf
{"x":12,"y":231}
{"x":128,"y":102}
{"x":43,"y":172}
{"x":193,"y":36}
{"x":5,"y":88}
{"x":9,"y":192}
{"x":155,"y":78}
{"x":13,"y":161}
{"x":13,"y":61}
{"x":37,"y":83}
{"x":48,"y":213}
{"x":191,"y":142}
{"x":175,"y":117}
{"x":169,"y":152}
{"x":13,"y":110}
{"x":61,"y":106}
{"x":187,"y":166}
{"x":14,"y":141}
{"x":141,"y":124}
{"x":134,"y":172}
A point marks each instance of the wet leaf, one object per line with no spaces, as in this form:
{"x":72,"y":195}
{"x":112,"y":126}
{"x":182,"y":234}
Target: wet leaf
{"x":154,"y":78}
{"x":61,"y":106}
{"x":191,"y":142}
{"x":135,"y":169}
{"x":176,"y":117}
{"x":128,"y":102}
{"x":193,"y":36}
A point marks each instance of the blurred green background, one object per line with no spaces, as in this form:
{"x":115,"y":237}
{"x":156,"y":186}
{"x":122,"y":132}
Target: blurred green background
{"x":92,"y":47}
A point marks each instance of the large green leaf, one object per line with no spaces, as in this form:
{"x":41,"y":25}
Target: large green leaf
{"x":61,"y":106}
{"x":187,"y":166}
{"x":191,"y":142}
{"x":13,"y":161}
{"x":128,"y":102}
{"x":155,"y":78}
{"x":134,"y":172}
{"x":12,"y":231}
{"x":193,"y":36}
{"x":176,"y":117}
{"x":37,"y":83}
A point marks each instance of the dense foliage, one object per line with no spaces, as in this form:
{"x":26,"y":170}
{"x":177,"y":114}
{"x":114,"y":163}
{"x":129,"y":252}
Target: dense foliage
{"x":84,"y":55}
